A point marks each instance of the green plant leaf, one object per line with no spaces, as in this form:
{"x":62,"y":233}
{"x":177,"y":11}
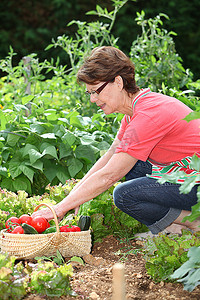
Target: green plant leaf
{"x":78,"y":260}
{"x":14,"y":169}
{"x":51,"y":114}
{"x":12,"y":139}
{"x":188,"y":184}
{"x":34,"y":155}
{"x":36,"y":128}
{"x":85,"y":152}
{"x":50,"y":169}
{"x":7,"y":183}
{"x":87,"y":139}
{"x":194,"y":255}
{"x":69,"y":138}
{"x":37,"y":165}
{"x":28,"y":172}
{"x":3,"y":171}
{"x":27,"y":99}
{"x":192,"y":116}
{"x":75,"y":121}
{"x":75,"y":165}
{"x":3,"y":120}
{"x":60,"y":258}
{"x":48,"y":136}
{"x":50,"y":150}
{"x":64,"y":150}
{"x":43,"y":146}
{"x":22,"y":183}
{"x":28,"y":147}
{"x":103,"y":145}
{"x":195,"y":163}
{"x":62,"y":174}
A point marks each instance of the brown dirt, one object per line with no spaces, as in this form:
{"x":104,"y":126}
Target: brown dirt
{"x":94,"y":279}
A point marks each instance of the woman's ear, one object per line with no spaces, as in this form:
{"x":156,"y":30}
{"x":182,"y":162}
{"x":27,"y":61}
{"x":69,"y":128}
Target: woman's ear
{"x":119,"y":82}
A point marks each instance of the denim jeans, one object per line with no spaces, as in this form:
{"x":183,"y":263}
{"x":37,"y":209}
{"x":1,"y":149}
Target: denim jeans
{"x":153,"y":204}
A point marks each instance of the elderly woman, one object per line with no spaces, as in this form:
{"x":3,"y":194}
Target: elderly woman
{"x":153,"y":139}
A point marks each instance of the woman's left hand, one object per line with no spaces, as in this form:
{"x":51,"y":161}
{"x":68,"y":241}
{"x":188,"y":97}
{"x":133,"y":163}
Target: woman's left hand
{"x":47,"y":213}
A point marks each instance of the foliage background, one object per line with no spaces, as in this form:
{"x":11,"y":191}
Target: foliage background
{"x":29,"y":26}
{"x":50,"y":145}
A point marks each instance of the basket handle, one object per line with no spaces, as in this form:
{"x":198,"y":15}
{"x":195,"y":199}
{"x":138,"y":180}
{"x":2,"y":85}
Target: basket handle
{"x":54,"y":214}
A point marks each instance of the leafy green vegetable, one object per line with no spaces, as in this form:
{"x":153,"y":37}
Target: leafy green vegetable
{"x":13,"y":280}
{"x":189,"y":272}
{"x":48,"y":279}
{"x":165,"y":254}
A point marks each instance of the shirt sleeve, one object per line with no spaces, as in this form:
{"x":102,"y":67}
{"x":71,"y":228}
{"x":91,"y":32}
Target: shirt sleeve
{"x":122,"y":128}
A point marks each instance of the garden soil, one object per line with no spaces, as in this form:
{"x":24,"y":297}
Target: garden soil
{"x":94,"y":279}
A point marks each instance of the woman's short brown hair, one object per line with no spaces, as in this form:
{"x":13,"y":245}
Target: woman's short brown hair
{"x":104,"y":64}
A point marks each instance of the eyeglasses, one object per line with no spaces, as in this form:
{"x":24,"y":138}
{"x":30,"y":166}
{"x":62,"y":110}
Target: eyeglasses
{"x":98,"y":91}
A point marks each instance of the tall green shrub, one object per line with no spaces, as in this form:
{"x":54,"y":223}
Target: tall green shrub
{"x":155,"y":57}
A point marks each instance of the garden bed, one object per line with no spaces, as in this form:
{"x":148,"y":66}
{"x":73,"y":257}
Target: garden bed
{"x":94,"y":279}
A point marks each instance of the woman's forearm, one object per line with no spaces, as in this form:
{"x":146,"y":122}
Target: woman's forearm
{"x":99,"y":164}
{"x":98,"y":182}
{"x":91,"y":187}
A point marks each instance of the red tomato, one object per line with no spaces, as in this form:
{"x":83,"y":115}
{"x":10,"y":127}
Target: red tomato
{"x":25,"y":219}
{"x":18,"y":230}
{"x":39,"y":223}
{"x":75,"y":228}
{"x":65,"y":228}
{"x":11,"y":223}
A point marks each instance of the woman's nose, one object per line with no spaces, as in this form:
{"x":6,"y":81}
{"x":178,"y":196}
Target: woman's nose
{"x":93,"y":98}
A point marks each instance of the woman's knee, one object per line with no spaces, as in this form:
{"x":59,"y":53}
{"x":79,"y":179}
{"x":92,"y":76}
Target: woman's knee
{"x":124,"y":196}
{"x":117,"y":196}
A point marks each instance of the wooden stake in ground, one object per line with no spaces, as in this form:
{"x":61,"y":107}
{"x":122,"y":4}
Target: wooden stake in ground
{"x":119,"y":290}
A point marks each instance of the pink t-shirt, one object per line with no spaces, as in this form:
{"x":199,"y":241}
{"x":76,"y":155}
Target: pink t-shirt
{"x":157,"y":131}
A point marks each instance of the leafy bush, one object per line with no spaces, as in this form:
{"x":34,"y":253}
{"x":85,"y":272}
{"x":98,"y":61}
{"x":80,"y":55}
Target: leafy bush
{"x":155,"y":57}
{"x":45,"y":278}
{"x":54,"y":143}
{"x":35,"y":153}
{"x":13,"y":280}
{"x":189,"y":272}
{"x":168,"y":253}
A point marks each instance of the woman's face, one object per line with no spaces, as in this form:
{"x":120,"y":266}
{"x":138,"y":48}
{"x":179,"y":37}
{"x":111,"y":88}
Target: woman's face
{"x":108,"y":97}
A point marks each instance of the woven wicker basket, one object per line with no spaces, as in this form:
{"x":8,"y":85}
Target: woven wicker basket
{"x":27,"y":246}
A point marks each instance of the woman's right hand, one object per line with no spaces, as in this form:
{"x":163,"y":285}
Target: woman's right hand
{"x":47,"y":213}
{"x":76,"y":210}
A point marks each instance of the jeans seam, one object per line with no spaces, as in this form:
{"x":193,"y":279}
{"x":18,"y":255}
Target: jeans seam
{"x":144,"y":187}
